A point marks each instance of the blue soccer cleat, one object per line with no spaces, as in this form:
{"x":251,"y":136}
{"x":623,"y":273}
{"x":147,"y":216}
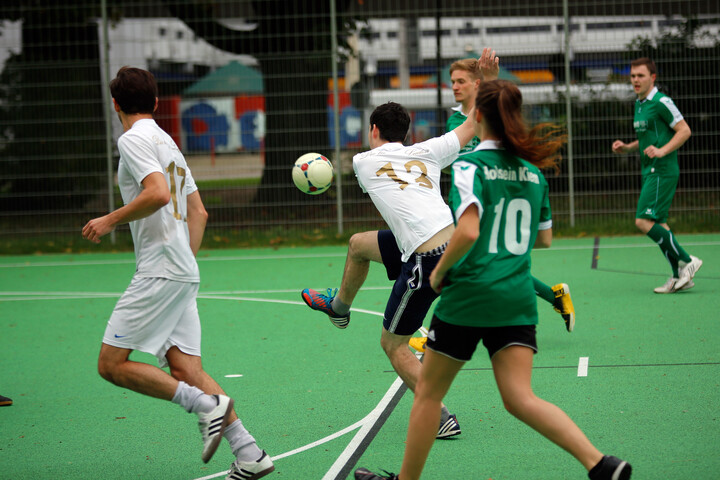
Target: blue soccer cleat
{"x":323,"y":303}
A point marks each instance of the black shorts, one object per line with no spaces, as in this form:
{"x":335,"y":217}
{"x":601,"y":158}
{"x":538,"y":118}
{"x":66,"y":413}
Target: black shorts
{"x":411,"y":296}
{"x":459,"y":342}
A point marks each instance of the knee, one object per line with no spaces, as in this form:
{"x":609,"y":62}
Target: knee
{"x":106,"y":370}
{"x":643,"y":224}
{"x":518,"y":405}
{"x":355,"y":247}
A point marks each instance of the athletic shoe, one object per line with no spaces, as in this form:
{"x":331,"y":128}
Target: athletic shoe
{"x":5,"y":401}
{"x":687,"y":286}
{"x":610,"y":468}
{"x":323,"y":303}
{"x":212,"y":425}
{"x":449,"y":428}
{"x":365,"y":474}
{"x":688,"y":271}
{"x":668,"y":287}
{"x":251,"y":470}
{"x":418,"y":343}
{"x":563,"y":305}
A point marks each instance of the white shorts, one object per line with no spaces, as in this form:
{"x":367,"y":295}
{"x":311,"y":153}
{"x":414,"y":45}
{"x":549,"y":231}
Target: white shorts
{"x":155,"y":314}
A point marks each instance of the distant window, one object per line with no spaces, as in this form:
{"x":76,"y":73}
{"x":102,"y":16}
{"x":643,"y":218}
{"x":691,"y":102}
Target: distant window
{"x":432,"y":33}
{"x":468,"y":29}
{"x":520,"y":29}
{"x":617,"y":25}
{"x":162,"y":31}
{"x":392,"y":34}
{"x":573,"y":27}
{"x":669,"y":23}
{"x":179,"y":34}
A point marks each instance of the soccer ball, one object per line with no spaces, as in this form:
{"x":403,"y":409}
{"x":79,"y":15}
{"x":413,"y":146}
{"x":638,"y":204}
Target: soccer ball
{"x":312,"y":173}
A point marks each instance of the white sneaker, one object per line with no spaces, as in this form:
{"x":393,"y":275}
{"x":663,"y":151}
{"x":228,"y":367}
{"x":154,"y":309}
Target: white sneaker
{"x":688,"y":271}
{"x":251,"y":470}
{"x":669,"y":287}
{"x":212,"y":425}
{"x":687,"y":286}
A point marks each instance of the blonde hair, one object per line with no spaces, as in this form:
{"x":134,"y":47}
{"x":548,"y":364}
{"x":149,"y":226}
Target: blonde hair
{"x":469,"y":65}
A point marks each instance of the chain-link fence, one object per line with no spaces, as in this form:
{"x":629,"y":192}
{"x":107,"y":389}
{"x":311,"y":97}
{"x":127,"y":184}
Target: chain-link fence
{"x":246,"y":87}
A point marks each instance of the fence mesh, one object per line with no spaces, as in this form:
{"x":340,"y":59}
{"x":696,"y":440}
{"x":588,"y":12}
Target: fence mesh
{"x":246,"y":87}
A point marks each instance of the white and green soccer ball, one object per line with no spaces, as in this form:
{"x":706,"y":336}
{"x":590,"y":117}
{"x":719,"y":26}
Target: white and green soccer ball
{"x":312,"y":173}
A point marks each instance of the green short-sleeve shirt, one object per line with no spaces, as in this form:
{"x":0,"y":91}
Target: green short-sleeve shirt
{"x":455,"y":120}
{"x":655,"y":117}
{"x":491,"y":285}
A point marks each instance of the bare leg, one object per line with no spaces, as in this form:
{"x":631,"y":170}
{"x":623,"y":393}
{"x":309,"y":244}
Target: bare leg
{"x":437,"y":375}
{"x":188,"y":368}
{"x":363,"y":248}
{"x":405,"y":363}
{"x":513,"y":367}
{"x":115,"y":367}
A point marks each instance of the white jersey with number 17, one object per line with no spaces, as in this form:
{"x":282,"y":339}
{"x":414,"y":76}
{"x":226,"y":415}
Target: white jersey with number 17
{"x":161,"y":240}
{"x":404,"y":184}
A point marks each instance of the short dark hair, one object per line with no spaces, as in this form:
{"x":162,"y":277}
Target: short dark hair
{"x":134,"y":90}
{"x":392,"y":120}
{"x":645,"y":61}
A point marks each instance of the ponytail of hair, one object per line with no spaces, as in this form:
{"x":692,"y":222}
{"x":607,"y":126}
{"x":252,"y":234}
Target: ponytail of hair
{"x":500,"y":102}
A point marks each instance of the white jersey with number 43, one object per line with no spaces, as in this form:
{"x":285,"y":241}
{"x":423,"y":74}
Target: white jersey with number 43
{"x":162,"y":241}
{"x":404,"y":184}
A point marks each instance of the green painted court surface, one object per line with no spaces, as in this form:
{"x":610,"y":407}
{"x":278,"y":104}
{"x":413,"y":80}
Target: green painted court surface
{"x":305,"y":389}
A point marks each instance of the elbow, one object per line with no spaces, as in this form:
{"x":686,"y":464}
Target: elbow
{"x":543,"y":243}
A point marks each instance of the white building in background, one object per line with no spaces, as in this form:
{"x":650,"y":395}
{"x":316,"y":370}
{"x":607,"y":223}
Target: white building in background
{"x":521,"y":35}
{"x":145,"y":42}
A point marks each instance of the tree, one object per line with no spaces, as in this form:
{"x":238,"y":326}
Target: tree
{"x":51,"y":115}
{"x":292,"y":43}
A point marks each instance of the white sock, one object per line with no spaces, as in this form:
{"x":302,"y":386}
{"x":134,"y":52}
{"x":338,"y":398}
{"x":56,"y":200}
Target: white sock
{"x":241,"y":442}
{"x":192,"y":399}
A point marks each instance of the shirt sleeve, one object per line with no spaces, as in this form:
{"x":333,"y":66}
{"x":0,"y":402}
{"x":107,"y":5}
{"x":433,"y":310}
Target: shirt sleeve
{"x":140,"y":156}
{"x":545,"y":222}
{"x":444,"y":149}
{"x":464,"y":188}
{"x":669,"y":112}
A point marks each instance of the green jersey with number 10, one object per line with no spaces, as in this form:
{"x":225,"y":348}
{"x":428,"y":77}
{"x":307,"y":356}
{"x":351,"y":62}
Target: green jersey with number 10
{"x":491,"y":285}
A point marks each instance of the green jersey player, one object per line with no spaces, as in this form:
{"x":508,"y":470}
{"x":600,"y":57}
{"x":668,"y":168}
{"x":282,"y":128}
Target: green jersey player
{"x":465,"y":77}
{"x":661,"y":131}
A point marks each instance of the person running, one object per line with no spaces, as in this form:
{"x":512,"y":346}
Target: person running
{"x":465,"y":78}
{"x":158,"y":312}
{"x":499,"y":200}
{"x":661,"y":131}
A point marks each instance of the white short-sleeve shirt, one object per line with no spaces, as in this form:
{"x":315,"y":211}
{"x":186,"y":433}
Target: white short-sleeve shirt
{"x":404,"y":184}
{"x":161,"y":240}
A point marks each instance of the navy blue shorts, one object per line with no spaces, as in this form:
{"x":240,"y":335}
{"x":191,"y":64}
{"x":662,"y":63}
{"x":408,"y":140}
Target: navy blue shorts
{"x":411,"y":296}
{"x":459,"y":342}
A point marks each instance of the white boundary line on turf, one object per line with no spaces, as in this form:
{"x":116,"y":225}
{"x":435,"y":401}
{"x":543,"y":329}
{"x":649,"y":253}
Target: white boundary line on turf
{"x":583,"y":366}
{"x":327,"y":255}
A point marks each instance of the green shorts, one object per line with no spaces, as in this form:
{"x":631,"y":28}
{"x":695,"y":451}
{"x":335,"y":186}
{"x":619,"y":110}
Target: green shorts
{"x":655,"y":197}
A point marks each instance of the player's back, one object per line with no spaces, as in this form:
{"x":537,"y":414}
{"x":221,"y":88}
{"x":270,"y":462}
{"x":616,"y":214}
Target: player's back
{"x":404,"y":184}
{"x":161,"y":240}
{"x":496,"y":271}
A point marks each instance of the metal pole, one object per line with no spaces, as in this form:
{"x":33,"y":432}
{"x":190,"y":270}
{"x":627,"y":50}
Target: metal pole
{"x":108,"y":115}
{"x":438,"y":68}
{"x":336,"y":111}
{"x":568,"y":114}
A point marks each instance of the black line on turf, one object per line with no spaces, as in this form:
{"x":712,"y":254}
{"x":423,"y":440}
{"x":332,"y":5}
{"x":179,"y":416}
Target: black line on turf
{"x":695,"y":364}
{"x":349,"y":466}
{"x":595,"y":253}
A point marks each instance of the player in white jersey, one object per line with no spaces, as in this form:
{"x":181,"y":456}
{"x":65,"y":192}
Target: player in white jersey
{"x":404,"y":184}
{"x":158,"y":313}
